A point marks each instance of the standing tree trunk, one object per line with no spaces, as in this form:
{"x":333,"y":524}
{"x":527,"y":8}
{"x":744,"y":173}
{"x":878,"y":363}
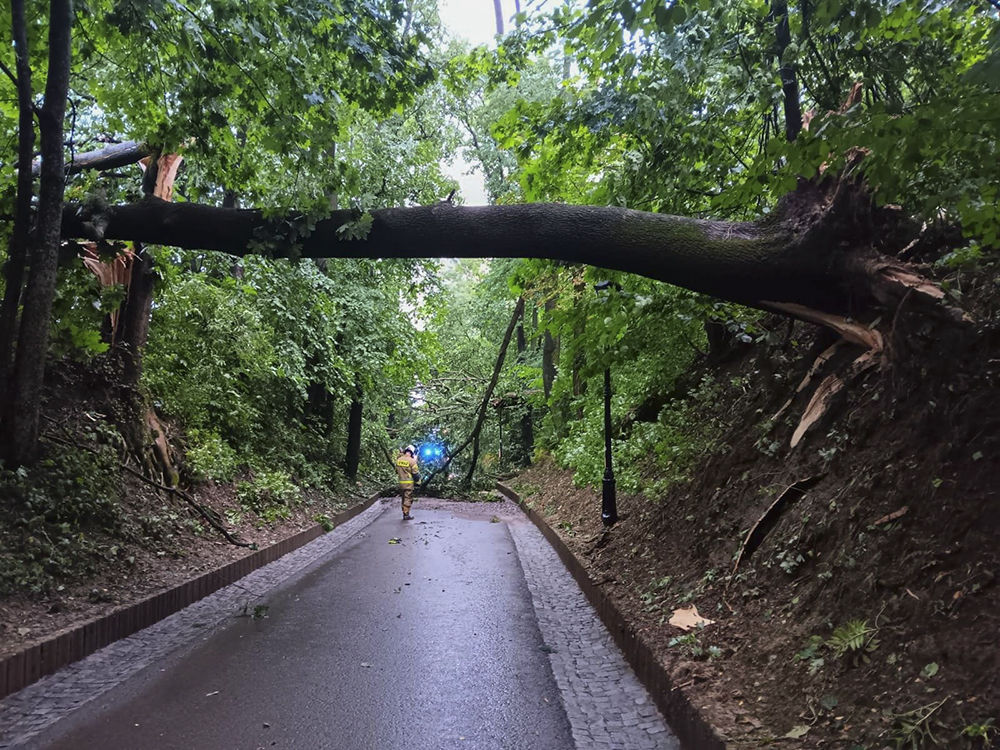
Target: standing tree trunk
{"x":548,"y":353}
{"x":354,"y":422}
{"x":498,"y":12}
{"x":21,"y":231}
{"x":579,"y":357}
{"x":33,"y":338}
{"x":786,"y":70}
{"x":526,"y":422}
{"x":158,"y":182}
{"x":138,"y":423}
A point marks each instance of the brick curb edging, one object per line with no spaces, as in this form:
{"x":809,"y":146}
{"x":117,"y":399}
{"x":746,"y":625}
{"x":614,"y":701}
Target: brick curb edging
{"x":684,"y":719}
{"x":25,"y":667}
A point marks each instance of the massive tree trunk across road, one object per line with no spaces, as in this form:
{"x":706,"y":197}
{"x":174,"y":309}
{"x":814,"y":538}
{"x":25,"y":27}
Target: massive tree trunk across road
{"x":814,"y":251}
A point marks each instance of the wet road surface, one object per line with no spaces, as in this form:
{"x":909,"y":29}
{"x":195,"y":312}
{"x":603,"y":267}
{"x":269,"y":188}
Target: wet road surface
{"x":429,"y":643}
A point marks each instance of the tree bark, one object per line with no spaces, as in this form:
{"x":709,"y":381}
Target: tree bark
{"x":133,"y":327}
{"x":354,"y":423}
{"x":20,"y":232}
{"x":549,"y":358}
{"x":33,"y":338}
{"x":158,"y":182}
{"x":786,"y":70}
{"x":527,"y":419}
{"x":812,"y":250}
{"x":110,"y":157}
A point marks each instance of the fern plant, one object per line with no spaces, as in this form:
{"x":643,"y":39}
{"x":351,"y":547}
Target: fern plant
{"x":854,"y":638}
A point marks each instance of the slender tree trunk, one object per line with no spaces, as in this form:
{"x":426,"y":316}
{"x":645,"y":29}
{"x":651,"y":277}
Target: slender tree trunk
{"x":33,"y":339}
{"x":354,"y":424}
{"x":579,"y":357}
{"x":786,"y":70}
{"x":158,"y":182}
{"x":20,"y":232}
{"x":526,"y":421}
{"x":548,"y":353}
{"x":498,"y":12}
{"x":497,"y":369}
{"x":133,"y":328}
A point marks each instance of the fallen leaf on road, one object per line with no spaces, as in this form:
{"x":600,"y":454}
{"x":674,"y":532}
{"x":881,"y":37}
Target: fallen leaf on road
{"x":687,"y":618}
{"x":365,"y":664}
{"x":395,"y":540}
{"x":209,"y":695}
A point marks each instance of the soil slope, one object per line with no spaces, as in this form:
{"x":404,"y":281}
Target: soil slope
{"x":868,"y":616}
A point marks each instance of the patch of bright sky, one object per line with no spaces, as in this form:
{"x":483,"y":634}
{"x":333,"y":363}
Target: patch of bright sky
{"x":473,"y":21}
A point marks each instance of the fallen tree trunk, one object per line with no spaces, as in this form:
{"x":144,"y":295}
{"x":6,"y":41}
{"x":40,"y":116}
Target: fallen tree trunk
{"x":813,"y":250}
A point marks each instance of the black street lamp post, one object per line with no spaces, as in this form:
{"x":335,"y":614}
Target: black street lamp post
{"x":609,"y":499}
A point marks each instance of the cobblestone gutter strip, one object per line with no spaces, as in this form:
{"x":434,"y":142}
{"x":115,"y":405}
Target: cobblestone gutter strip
{"x":684,"y":719}
{"x":607,"y":706}
{"x":19,"y":670}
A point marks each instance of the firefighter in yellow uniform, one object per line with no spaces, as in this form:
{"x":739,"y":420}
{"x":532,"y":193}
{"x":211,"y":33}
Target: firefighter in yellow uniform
{"x":409,"y":472}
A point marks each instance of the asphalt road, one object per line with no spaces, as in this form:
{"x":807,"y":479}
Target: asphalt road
{"x":429,"y":643}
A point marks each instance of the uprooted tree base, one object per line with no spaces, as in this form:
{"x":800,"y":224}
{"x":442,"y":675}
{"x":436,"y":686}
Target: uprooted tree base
{"x":897,"y":530}
{"x":824,"y":250}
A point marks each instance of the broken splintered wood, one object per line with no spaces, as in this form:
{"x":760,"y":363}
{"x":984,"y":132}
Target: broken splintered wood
{"x":688,"y":618}
{"x":892,"y":516}
{"x":821,"y":360}
{"x":769,"y":519}
{"x":826,"y":390}
{"x":856,"y":333}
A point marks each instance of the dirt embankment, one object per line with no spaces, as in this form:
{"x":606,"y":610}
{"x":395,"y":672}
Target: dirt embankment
{"x":868,"y":615}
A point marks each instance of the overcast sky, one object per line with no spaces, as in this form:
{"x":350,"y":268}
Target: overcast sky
{"x":471,"y":20}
